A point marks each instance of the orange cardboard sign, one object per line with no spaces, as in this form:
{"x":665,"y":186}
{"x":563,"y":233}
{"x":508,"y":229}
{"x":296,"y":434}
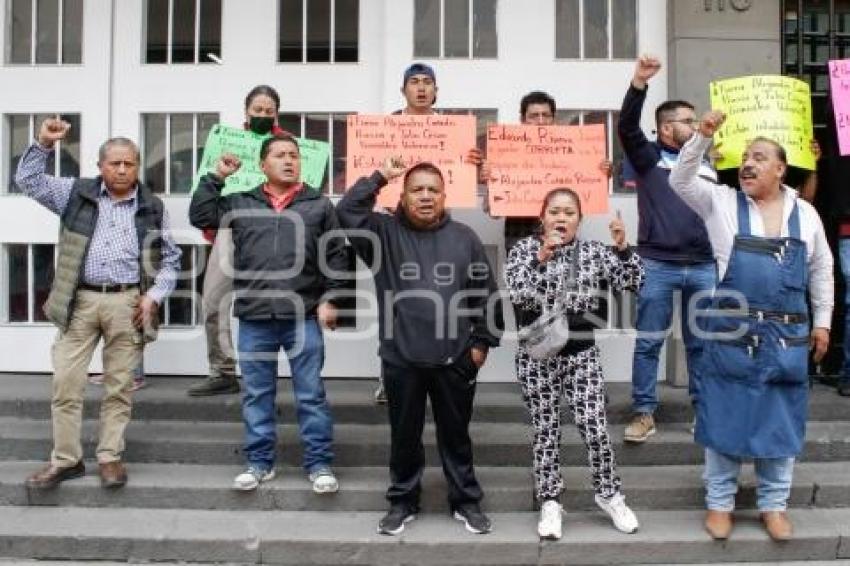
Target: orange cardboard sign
{"x":528,"y":161}
{"x":444,"y":140}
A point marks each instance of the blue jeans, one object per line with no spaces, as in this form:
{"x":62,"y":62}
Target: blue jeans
{"x":259,"y":345}
{"x":721,"y":481}
{"x":844,"y":258}
{"x":664,"y":283}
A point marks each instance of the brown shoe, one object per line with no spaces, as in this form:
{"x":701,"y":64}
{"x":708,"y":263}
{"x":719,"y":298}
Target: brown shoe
{"x":778,"y":525}
{"x":718,"y":524}
{"x":641,"y":427}
{"x":113,"y":474}
{"x":51,"y":475}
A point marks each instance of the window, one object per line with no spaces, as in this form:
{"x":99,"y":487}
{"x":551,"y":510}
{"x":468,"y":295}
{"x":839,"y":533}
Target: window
{"x":318,"y":31}
{"x":613,"y":150}
{"x":463,"y":29}
{"x":44,"y":32}
{"x":584,"y":29}
{"x":172,"y":146}
{"x":183,"y":306}
{"x":813,"y":33}
{"x":28,"y":275}
{"x":183,"y":31}
{"x":20,"y":131}
{"x":331,"y":128}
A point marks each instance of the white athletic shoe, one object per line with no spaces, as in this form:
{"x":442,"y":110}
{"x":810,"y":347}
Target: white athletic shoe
{"x":616,"y":508}
{"x":324,"y":481}
{"x":549,"y":526}
{"x":251,"y":478}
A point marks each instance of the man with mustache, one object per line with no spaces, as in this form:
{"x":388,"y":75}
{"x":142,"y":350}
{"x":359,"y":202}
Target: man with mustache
{"x":439,"y":314}
{"x":771,"y":254}
{"x":283,"y":298}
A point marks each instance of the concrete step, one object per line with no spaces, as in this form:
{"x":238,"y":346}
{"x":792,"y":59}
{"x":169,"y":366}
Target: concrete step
{"x":28,"y":396}
{"x":186,"y":486}
{"x":496,"y":444}
{"x":276,"y":537}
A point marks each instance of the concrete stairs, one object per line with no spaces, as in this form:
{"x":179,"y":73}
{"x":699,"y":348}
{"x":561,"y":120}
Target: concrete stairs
{"x":183,"y":453}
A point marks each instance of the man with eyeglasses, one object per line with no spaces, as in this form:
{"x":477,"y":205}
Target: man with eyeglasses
{"x":672,"y":240}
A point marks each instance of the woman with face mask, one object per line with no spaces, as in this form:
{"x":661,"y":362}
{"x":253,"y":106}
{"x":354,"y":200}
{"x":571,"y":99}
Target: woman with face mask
{"x":554,"y":269}
{"x":261,"y":111}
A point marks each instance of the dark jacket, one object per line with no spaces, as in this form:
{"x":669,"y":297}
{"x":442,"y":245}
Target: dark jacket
{"x":668,"y":229}
{"x":436,"y":288}
{"x":278,"y":269}
{"x":77,"y":225}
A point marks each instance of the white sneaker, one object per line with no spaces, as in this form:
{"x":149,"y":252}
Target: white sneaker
{"x":324,"y":481}
{"x":251,"y":478}
{"x":616,"y":508}
{"x":549,"y":526}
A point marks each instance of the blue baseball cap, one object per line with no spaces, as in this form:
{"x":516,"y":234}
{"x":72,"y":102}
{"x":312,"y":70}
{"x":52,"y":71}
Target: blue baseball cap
{"x":418,"y":69}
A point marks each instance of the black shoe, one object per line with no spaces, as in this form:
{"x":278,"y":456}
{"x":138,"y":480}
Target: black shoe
{"x":474,"y":519}
{"x":844,"y":388}
{"x":219,"y":385}
{"x":395,"y":519}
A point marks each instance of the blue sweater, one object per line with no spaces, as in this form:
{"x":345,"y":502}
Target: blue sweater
{"x":668,"y":229}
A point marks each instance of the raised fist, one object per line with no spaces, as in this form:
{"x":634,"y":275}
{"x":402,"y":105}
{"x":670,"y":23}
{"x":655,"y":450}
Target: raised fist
{"x":618,"y":231}
{"x":52,"y":130}
{"x":646,"y":67}
{"x":711,"y":122}
{"x":227,"y":165}
{"x":393,"y":167}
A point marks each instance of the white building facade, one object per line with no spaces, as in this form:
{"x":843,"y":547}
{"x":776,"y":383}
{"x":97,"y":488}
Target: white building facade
{"x":163,"y":71}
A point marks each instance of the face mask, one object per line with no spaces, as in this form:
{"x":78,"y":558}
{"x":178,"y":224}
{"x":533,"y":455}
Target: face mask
{"x":261,"y":124}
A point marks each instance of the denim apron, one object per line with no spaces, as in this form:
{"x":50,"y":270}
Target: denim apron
{"x":754,"y":381}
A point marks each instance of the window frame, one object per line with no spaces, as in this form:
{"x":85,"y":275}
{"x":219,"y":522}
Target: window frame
{"x":5,"y":280}
{"x":169,"y":42}
{"x":167,"y":189}
{"x":33,"y":40}
{"x":441,"y":35}
{"x":609,"y":30}
{"x":304,"y":36}
{"x":193,"y":293}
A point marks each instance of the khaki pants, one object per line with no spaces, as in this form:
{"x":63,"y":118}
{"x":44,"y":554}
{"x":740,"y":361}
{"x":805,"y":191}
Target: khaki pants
{"x":96,"y":316}
{"x":218,"y":296}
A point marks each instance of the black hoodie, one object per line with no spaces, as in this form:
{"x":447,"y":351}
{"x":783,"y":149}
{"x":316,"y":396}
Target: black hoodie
{"x":436,"y":288}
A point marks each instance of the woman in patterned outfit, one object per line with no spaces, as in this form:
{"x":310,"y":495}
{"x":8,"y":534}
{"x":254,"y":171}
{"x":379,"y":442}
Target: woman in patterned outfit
{"x":537,"y":271}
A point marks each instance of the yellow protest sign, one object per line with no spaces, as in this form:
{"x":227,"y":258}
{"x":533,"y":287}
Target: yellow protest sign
{"x":775,"y":107}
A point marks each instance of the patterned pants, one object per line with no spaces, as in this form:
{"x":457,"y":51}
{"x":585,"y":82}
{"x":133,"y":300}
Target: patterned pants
{"x":578,"y":379}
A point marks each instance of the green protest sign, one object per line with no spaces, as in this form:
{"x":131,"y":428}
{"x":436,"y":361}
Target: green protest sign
{"x":245,"y":145}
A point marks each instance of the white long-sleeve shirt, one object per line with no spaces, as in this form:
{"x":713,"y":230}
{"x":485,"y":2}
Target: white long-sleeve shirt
{"x":718,"y":207}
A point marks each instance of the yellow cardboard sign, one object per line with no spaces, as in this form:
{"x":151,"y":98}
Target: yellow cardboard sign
{"x":771,"y":106}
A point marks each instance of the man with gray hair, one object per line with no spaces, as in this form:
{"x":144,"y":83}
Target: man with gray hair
{"x":116,"y":264}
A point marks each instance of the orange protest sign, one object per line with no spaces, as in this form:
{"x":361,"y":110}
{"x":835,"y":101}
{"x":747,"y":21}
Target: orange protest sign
{"x":441,"y":139}
{"x":528,"y":161}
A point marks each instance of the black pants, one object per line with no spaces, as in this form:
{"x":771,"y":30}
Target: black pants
{"x":451,"y":389}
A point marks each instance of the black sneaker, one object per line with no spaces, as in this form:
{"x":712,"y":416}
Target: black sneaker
{"x":218,"y":385}
{"x":395,"y":519}
{"x":844,"y":388}
{"x":473,"y":518}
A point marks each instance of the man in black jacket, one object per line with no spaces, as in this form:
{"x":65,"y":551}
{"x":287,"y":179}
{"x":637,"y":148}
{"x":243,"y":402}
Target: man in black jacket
{"x":282,"y":298}
{"x":440,"y":312}
{"x":672,"y":240}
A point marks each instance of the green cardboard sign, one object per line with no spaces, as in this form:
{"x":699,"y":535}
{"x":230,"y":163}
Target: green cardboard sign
{"x":245,"y":145}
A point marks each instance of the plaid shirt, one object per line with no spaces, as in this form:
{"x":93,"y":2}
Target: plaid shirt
{"x":113,"y":255}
